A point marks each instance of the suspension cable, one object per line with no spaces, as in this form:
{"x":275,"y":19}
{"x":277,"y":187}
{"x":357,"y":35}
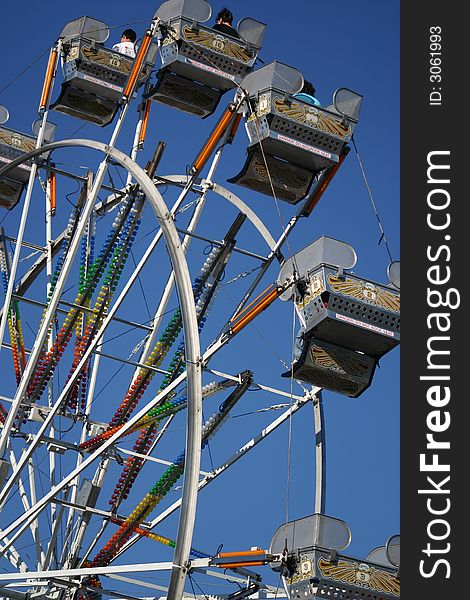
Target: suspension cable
{"x":374,"y":208}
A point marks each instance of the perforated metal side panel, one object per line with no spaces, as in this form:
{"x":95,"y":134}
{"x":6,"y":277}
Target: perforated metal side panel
{"x":327,"y":591}
{"x":368,"y":314}
{"x":308,"y":135}
{"x":224,"y":63}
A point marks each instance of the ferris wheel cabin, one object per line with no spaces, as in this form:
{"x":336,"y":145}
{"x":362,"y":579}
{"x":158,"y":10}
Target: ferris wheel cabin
{"x":94,"y":76}
{"x":291,"y":141}
{"x":13,"y":145}
{"x":350,"y":322}
{"x":315,"y":566}
{"x":200,"y":64}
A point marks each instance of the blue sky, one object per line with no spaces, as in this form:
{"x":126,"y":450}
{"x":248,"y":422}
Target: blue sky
{"x":334,"y":44}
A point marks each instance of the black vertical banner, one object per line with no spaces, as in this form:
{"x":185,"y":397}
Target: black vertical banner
{"x":435,"y":260}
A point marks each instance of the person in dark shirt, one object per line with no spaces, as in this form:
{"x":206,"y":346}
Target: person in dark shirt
{"x":223,"y":23}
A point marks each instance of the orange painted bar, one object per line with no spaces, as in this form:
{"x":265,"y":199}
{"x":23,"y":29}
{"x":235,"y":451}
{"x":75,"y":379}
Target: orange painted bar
{"x":52,"y":179}
{"x":247,"y":308}
{"x":145,"y":120}
{"x":314,"y":201}
{"x":246,"y":553}
{"x":252,"y":303}
{"x":214,"y":139}
{"x":255,"y":311}
{"x":46,"y":89}
{"x":255,"y":563}
{"x":139,"y":59}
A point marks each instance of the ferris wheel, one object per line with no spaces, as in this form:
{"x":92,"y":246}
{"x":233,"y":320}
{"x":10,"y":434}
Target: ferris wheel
{"x":119,"y":336}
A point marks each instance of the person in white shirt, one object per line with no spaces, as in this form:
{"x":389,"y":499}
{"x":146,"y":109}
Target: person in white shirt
{"x":127,"y":44}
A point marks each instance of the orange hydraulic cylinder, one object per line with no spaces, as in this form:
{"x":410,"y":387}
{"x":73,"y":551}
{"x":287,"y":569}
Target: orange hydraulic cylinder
{"x":319,"y":193}
{"x":245,"y":563}
{"x":145,"y":120}
{"x":46,"y":88}
{"x":139,"y":59}
{"x":242,"y":553}
{"x":211,"y":143}
{"x":266,"y":300}
{"x":52,"y":179}
{"x":255,"y":563}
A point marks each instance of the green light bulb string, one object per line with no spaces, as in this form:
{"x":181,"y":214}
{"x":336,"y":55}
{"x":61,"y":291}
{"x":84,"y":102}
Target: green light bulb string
{"x":49,"y":360}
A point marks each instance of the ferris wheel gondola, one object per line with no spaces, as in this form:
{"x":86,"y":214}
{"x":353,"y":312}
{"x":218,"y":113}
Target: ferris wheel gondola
{"x":198,"y":63}
{"x":290,"y":141}
{"x":94,"y":76}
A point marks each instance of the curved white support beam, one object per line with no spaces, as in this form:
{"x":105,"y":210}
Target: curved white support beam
{"x":192,"y":351}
